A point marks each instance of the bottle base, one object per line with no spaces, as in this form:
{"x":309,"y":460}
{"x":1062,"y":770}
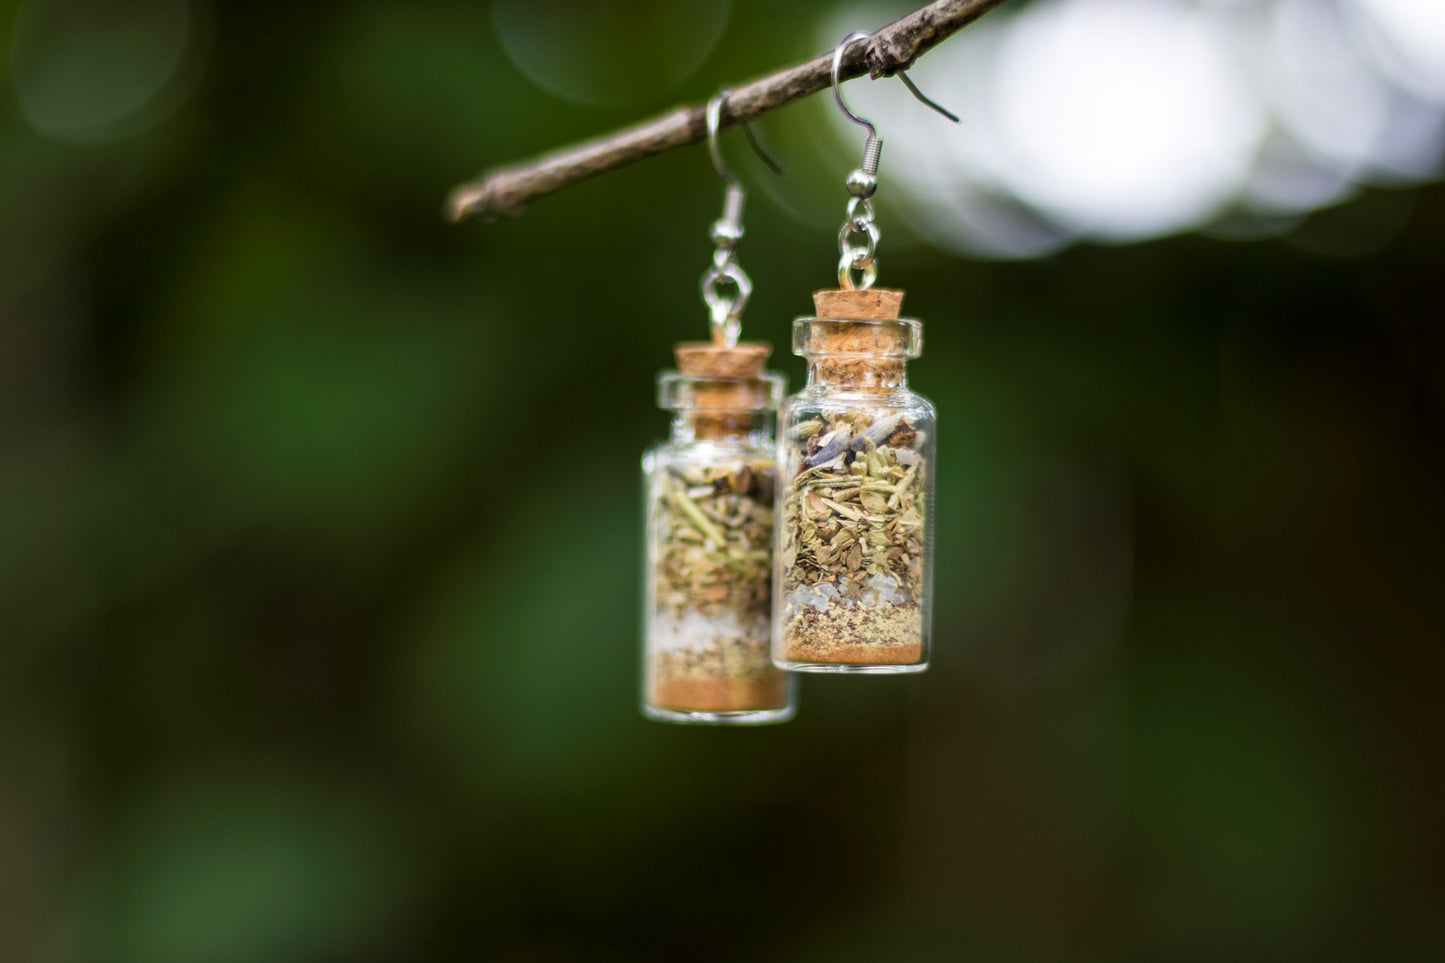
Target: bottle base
{"x":838,"y":667}
{"x":744,"y":717}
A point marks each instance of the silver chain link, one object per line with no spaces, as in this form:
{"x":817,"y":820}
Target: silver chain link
{"x":858,"y":237}
{"x":858,"y":255}
{"x":725,"y":286}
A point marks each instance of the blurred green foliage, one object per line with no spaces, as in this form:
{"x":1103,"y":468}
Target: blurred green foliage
{"x":294,"y":666}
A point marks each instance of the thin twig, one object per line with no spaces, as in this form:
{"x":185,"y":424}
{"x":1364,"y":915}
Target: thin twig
{"x":505,"y":191}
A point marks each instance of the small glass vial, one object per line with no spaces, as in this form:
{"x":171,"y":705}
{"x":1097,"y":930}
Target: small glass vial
{"x":709,"y":560}
{"x":855,"y":494}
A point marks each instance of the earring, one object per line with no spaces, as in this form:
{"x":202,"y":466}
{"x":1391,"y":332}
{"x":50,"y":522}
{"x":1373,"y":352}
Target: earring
{"x":709,"y":515}
{"x":856,"y":449}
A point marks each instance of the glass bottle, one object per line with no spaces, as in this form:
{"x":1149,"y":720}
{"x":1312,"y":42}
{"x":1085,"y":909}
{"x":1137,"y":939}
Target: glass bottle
{"x":708,"y":575}
{"x":855,"y":494}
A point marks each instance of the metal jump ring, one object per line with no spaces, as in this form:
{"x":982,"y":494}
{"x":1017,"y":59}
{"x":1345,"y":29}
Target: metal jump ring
{"x":724,"y":311}
{"x":725,"y":322}
{"x":857,"y":256}
{"x":846,"y":267}
{"x":868,"y":228}
{"x":854,"y":203}
{"x":726,"y":329}
{"x":712,"y":294}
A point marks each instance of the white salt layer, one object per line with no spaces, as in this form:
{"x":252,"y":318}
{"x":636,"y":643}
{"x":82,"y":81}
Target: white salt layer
{"x":878,"y":589}
{"x":697,"y":631}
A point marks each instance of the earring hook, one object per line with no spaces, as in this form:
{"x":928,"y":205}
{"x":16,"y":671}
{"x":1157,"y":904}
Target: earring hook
{"x":840,"y":51}
{"x":725,"y":286}
{"x":714,"y":122}
{"x":913,"y":89}
{"x":858,"y":239}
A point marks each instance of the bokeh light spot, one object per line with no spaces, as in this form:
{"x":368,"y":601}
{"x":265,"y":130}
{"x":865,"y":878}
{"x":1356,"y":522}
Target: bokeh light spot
{"x":1328,"y":96}
{"x":1408,"y":40}
{"x":1094,"y":143}
{"x":605,"y":51}
{"x":1120,"y":120}
{"x":96,"y":71}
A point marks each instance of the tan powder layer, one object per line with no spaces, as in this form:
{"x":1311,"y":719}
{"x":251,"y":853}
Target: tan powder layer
{"x":723,"y":659}
{"x":748,"y":693}
{"x":860,"y":635}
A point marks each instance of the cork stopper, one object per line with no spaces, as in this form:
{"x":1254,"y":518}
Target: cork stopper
{"x":874,"y":304}
{"x":703,"y":359}
{"x":738,"y":389}
{"x":853,"y":349}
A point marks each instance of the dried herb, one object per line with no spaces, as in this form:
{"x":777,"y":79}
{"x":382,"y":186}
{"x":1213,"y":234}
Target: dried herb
{"x":713,"y":526}
{"x":852,"y":540}
{"x":715,"y":538}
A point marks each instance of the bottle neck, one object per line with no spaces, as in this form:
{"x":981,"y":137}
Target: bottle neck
{"x":752,"y":427}
{"x":857,"y":372}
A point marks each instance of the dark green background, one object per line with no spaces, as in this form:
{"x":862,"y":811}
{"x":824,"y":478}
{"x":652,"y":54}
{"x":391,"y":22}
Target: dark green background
{"x":319,"y":547}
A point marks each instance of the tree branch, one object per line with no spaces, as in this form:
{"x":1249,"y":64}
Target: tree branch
{"x":504,"y":191}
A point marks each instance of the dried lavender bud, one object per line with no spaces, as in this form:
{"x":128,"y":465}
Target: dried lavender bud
{"x":877,"y":433}
{"x":831,"y":445}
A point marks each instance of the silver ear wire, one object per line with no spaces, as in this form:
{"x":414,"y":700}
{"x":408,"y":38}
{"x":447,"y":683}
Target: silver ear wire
{"x":913,"y":89}
{"x":725,"y":307}
{"x":838,"y":53}
{"x":714,"y":123}
{"x":863,"y":182}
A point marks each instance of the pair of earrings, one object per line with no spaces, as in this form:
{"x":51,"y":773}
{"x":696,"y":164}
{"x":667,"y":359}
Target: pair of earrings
{"x":808,"y":550}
